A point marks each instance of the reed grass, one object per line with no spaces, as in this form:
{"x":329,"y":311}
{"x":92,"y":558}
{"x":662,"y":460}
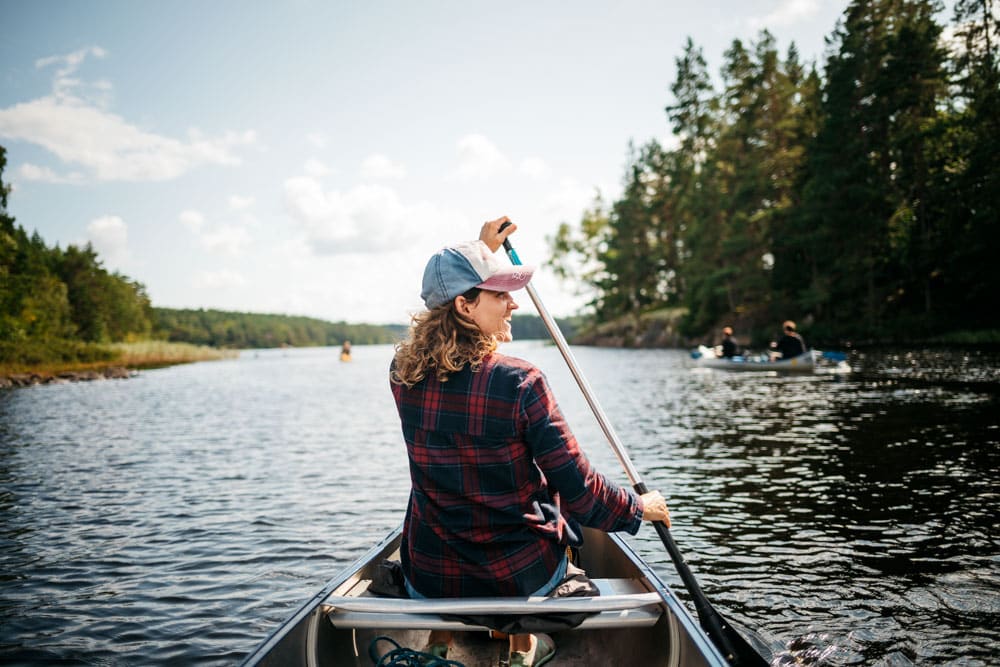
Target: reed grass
{"x":51,"y":359}
{"x":156,"y":353}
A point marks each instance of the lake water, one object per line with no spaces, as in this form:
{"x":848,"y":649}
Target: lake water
{"x":177,"y":517}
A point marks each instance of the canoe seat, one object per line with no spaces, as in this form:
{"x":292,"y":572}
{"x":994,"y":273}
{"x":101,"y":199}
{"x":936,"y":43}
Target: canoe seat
{"x":622,"y":603}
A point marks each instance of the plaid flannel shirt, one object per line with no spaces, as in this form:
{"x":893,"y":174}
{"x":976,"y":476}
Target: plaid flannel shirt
{"x":499,"y":483}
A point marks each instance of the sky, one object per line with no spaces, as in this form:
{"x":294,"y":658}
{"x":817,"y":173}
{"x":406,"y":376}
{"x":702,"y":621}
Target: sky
{"x":306,"y":158}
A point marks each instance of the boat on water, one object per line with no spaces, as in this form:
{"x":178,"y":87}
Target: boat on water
{"x":637,"y":619}
{"x":705,"y":357}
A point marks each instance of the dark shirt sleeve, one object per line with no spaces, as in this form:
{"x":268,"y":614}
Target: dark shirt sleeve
{"x":586,"y":495}
{"x":791,"y":346}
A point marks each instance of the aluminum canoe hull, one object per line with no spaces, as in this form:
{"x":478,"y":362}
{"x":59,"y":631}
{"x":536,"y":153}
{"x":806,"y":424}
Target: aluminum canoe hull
{"x":309,"y":638}
{"x":805,"y":363}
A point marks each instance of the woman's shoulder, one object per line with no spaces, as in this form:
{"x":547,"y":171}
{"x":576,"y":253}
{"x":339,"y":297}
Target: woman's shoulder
{"x":497,"y":363}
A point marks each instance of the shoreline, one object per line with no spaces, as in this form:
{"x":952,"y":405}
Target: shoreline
{"x":125,"y":361}
{"x":32,"y":378}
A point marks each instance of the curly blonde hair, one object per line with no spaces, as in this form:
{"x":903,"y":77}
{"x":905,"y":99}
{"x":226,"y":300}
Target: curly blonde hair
{"x":441,"y":341}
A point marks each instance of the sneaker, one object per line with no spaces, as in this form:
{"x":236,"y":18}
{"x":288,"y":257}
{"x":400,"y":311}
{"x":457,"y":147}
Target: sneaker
{"x":544,"y":649}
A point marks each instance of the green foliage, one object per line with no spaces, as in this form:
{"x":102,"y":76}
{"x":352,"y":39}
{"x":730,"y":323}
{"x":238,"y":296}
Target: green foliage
{"x":531,"y":327}
{"x":52,"y":350}
{"x":970,"y":166}
{"x":219,"y":328}
{"x":861,"y":203}
{"x":869,"y":192}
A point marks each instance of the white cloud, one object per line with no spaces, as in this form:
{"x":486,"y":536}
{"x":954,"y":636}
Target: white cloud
{"x":109,"y":236}
{"x":226,"y":239}
{"x":63,"y":85}
{"x":316,"y":169}
{"x":788,"y":12}
{"x":81,"y":132}
{"x":379,"y":167}
{"x":238,"y":203}
{"x":479,"y":159}
{"x":222,"y":239}
{"x":221,"y":279}
{"x":317,"y":139}
{"x":192,"y":219}
{"x":567,"y":203}
{"x":32,"y":172}
{"x":365,"y":219}
{"x":535,"y":168}
{"x":70,"y":61}
{"x":110,"y":148}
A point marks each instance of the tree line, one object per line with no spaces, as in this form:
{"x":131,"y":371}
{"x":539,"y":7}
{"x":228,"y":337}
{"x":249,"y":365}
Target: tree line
{"x":531,"y":327}
{"x":219,"y":328}
{"x":861,"y":201}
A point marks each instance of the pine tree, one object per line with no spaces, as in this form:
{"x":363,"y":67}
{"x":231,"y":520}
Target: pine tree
{"x":867,"y":176}
{"x":693,"y":188}
{"x":973,"y":168}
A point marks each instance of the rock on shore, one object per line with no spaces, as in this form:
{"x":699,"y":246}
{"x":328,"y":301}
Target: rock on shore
{"x":28,"y":379}
{"x":649,"y":330}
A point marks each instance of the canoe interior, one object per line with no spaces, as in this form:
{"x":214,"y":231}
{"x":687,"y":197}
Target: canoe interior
{"x":309,"y":637}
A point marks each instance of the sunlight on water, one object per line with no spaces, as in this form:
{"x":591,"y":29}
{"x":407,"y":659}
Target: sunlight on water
{"x":179,"y":516}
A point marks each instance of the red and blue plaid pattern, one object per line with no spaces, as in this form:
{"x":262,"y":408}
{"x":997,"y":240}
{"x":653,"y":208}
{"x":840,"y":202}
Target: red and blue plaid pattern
{"x":499,"y":483}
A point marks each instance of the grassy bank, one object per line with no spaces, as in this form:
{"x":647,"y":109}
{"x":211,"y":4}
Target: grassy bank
{"x":52,"y":358}
{"x":154,"y":354}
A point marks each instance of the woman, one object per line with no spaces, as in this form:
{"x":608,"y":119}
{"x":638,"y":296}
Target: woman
{"x":500,"y":486}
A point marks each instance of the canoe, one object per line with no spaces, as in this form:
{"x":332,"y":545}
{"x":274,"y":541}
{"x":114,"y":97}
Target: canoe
{"x":704,"y":357}
{"x":637,"y":619}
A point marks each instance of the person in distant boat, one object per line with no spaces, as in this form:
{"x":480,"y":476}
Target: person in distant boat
{"x":345,"y":351}
{"x":499,"y":485}
{"x":790,"y":345}
{"x":729,"y":348}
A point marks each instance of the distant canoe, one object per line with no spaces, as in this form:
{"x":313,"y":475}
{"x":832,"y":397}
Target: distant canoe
{"x":704,"y":357}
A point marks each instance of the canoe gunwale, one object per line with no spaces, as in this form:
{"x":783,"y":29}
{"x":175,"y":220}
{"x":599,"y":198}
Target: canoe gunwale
{"x":530,"y":605}
{"x":303,"y":631}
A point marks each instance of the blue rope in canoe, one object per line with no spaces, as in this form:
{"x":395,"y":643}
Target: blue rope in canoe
{"x":406,"y":657}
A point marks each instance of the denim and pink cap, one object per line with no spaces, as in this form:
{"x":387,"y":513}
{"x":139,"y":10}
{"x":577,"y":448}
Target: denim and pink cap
{"x":457,"y":269}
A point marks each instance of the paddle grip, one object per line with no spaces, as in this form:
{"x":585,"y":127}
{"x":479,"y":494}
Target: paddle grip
{"x":506,"y":242}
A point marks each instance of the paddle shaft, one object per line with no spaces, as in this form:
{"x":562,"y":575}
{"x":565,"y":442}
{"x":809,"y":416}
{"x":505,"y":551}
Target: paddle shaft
{"x":733,"y":647}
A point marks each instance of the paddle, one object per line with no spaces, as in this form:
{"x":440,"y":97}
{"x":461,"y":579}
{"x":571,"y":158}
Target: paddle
{"x":729,"y":642}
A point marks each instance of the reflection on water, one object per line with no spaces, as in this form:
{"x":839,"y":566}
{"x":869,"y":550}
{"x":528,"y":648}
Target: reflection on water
{"x":178,"y":517}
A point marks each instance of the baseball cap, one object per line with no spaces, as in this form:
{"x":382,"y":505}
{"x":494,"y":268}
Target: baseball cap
{"x":456,"y":269}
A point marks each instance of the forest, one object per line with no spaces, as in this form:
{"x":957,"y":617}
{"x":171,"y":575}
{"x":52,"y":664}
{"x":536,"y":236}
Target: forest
{"x":860,"y":200}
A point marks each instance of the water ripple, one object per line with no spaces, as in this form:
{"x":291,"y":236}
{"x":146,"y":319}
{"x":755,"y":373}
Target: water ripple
{"x":178,"y":517}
